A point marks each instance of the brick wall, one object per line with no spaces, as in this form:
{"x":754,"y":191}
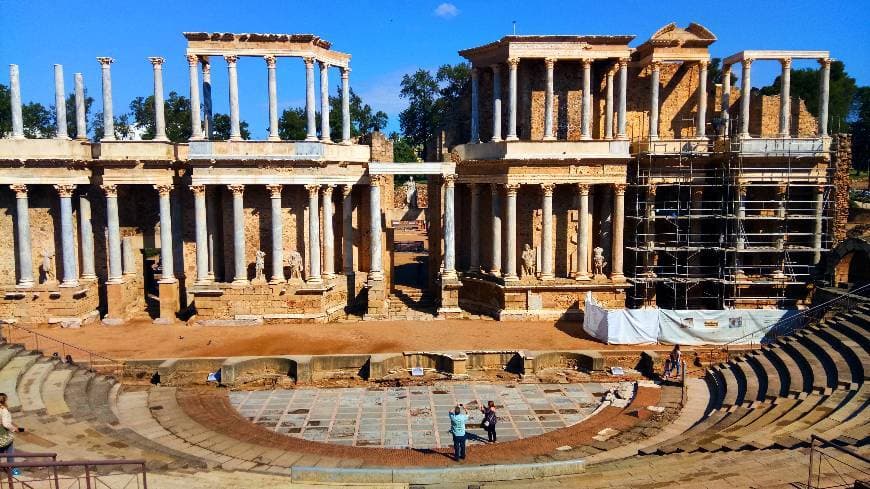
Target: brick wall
{"x":842,"y":165}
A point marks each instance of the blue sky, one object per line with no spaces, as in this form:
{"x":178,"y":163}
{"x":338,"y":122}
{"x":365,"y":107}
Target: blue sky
{"x":386,"y":39}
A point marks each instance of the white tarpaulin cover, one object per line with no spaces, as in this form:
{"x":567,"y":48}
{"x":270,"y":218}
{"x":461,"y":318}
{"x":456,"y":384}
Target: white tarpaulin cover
{"x":684,"y":327}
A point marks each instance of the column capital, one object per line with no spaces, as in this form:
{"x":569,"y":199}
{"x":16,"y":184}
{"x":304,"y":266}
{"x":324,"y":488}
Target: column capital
{"x":583,"y":188}
{"x":231,"y":59}
{"x":192,"y":60}
{"x":513,"y":62}
{"x":163,"y":190}
{"x":495,"y":67}
{"x":450,"y":180}
{"x":324,"y":65}
{"x":197,"y":189}
{"x":612,"y":69}
{"x":327,"y":190}
{"x":346,"y":190}
{"x":377,"y":180}
{"x":20,"y":190}
{"x":786,"y":63}
{"x":623,"y":62}
{"x":474,"y":71}
{"x":109,"y":190}
{"x":550,"y":62}
{"x":157,"y":60}
{"x":747,"y":62}
{"x":105,"y":61}
{"x":512,"y":188}
{"x":548,"y":188}
{"x":345,"y":72}
{"x":308,"y":60}
{"x":619,"y":188}
{"x":586,"y":62}
{"x":270,"y":60}
{"x":741,"y":189}
{"x":825,"y":62}
{"x":313,"y":189}
{"x":275,"y":190}
{"x":704,"y":63}
{"x":655,"y":65}
{"x":236,"y":189}
{"x":65,"y":190}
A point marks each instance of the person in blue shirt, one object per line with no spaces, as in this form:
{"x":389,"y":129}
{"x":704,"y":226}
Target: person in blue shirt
{"x":457,"y":428}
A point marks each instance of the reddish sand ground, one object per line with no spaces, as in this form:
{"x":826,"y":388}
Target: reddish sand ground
{"x":146,"y":340}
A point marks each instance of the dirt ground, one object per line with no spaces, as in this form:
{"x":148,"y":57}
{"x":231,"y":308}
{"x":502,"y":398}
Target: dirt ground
{"x":138,"y":340}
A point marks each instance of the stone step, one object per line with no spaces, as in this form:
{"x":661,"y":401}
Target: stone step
{"x":852,"y":329}
{"x":857,"y":357}
{"x":788,"y":369}
{"x":753,"y":378}
{"x":716,"y":391}
{"x":8,"y":352}
{"x":773,"y":383}
{"x":732,"y":389}
{"x":736,"y":438}
{"x":30,"y":387}
{"x":10,"y":376}
{"x":764,"y":436}
{"x":802,"y":428}
{"x":836,"y":364}
{"x":53,"y":391}
{"x":822,"y":375}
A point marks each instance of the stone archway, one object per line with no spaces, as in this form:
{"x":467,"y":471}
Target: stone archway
{"x":849,"y":263}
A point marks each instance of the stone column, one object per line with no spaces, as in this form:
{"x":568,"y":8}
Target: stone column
{"x":235,"y":129}
{"x":623,"y":97}
{"x":547,"y":232}
{"x":166,"y":259}
{"x":474,"y":229}
{"x":817,"y":234}
{"x":127,"y":255}
{"x":345,"y":106}
{"x":86,"y":232}
{"x":309,"y":99}
{"x":449,"y":228}
{"x":510,"y":272}
{"x":324,"y":102}
{"x":113,"y":229}
{"x":208,"y":122}
{"x":328,"y":234}
{"x":15,"y":95}
{"x":654,"y":101}
{"x":347,"y":229}
{"x":81,"y":111}
{"x":159,"y":115}
{"x":67,"y":242}
{"x":824,"y":94}
{"x":701,"y":129}
{"x":586,"y":106}
{"x":60,"y":104}
{"x":376,"y":272}
{"x":608,"y":104}
{"x":273,"y":97}
{"x":108,"y":118}
{"x":277,"y":234}
{"x":211,"y":219}
{"x":475,"y":109}
{"x":195,"y":120}
{"x":583,"y":234}
{"x":745,"y":88}
{"x":726,"y":98}
{"x":550,"y":63}
{"x":25,"y":253}
{"x":495,"y":266}
{"x":785,"y":98}
{"x":649,"y":230}
{"x":201,"y":223}
{"x":313,"y":234}
{"x":616,"y":273}
{"x":513,"y":67}
{"x":496,"y":103}
{"x":241,"y":272}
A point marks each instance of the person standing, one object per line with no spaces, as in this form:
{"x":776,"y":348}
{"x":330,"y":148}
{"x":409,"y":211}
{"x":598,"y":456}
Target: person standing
{"x":490,"y":418}
{"x":673,"y":362}
{"x":457,"y":429}
{"x":7,"y":433}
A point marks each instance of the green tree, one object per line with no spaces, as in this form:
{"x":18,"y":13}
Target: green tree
{"x":5,"y":111}
{"x":292,"y":124}
{"x":403,"y":151}
{"x":123,"y":127}
{"x":714,"y":72}
{"x":221,"y":130}
{"x":454,"y":102}
{"x":176,"y":110}
{"x":38,"y":121}
{"x":363,"y":119}
{"x":436,"y":103}
{"x":419,"y":121}
{"x":860,"y":126}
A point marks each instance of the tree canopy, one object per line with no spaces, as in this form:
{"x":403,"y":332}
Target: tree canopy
{"x":860,"y":126}
{"x":176,"y":109}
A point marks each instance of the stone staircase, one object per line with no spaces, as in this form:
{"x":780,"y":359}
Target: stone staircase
{"x":410,"y":303}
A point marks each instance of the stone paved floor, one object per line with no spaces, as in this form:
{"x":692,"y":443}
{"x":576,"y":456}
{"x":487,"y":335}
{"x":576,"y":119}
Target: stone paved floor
{"x":416,"y":417}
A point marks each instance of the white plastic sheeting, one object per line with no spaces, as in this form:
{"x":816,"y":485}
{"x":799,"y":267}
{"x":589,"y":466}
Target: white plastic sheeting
{"x":683,"y":327}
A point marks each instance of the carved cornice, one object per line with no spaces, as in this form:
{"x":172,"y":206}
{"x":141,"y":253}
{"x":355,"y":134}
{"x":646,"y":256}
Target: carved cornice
{"x":20,"y":190}
{"x":163,"y":190}
{"x":786,"y":63}
{"x":583,"y":188}
{"x":270,"y":61}
{"x":450,"y":180}
{"x":619,"y":188}
{"x":513,"y":62}
{"x":65,"y":190}
{"x":313,"y":189}
{"x":192,"y":60}
{"x":275,"y":190}
{"x":157,"y":60}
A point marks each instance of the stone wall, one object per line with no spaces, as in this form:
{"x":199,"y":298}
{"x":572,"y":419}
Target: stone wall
{"x":50,"y":304}
{"x":400,"y":195}
{"x":842,"y":166}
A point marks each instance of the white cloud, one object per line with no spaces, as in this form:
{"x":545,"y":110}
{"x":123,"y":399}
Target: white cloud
{"x":446,"y":10}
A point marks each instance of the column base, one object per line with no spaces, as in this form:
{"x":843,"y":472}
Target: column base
{"x":88,"y":277}
{"x":240,"y":282}
{"x":203,"y":282}
{"x":277,"y":281}
{"x":549,"y":138}
{"x":168,"y":280}
{"x":311,"y":139}
{"x":161,"y":139}
{"x":347,"y":142}
{"x":314,"y":280}
{"x":325,"y":140}
{"x":168,"y":295}
{"x":25,"y":284}
{"x":328,"y":275}
{"x":236,"y":138}
{"x":495,"y":140}
{"x":617,"y":277}
{"x":744,"y":135}
{"x":512,"y":138}
{"x":622,"y":137}
{"x":69,"y":283}
{"x":273,"y":138}
{"x":585,"y":137}
{"x":376,"y":276}
{"x":654,"y":137}
{"x":495,"y":273}
{"x":511,"y":278}
{"x":784,"y":136}
{"x":582,"y":277}
{"x":546,"y":277}
{"x":449,"y":275}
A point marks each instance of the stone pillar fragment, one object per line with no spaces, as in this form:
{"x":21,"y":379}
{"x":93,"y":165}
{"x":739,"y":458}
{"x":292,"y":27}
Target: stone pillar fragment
{"x":785,"y":99}
{"x":548,"y":100}
{"x":474,"y":229}
{"x":547,"y":232}
{"x":824,"y":94}
{"x":68,"y":250}
{"x":235,"y":128}
{"x":510,"y":272}
{"x":345,"y":106}
{"x":616,"y":273}
{"x":166,"y":259}
{"x":22,"y":227}
{"x":273,"y":97}
{"x":311,"y":118}
{"x":114,"y":234}
{"x":314,"y":276}
{"x":449,"y":228}
{"x":60,"y":104}
{"x":127,"y":255}
{"x":86,"y":232}
{"x":208,"y":121}
{"x":324,"y":103}
{"x":81,"y":108}
{"x":608,"y":104}
{"x":496,"y":103}
{"x":623,"y":97}
{"x":586,"y":105}
{"x":583,"y":234}
{"x":701,"y":127}
{"x":277,"y":234}
{"x":108,"y":117}
{"x":201,"y":224}
{"x":15,"y":102}
{"x":495,"y":266}
{"x":654,"y":101}
{"x":195,"y":120}
{"x":241,"y":272}
{"x":475,"y":109}
{"x":745,"y":91}
{"x":159,"y":114}
{"x":513,"y":67}
{"x":328,"y":233}
{"x":376,"y":272}
{"x":726,"y":99}
{"x":347,"y":229}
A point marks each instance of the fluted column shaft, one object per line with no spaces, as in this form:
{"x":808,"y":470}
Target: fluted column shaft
{"x":166,"y":259}
{"x":701,"y":128}
{"x":345,"y":105}
{"x":60,"y":103}
{"x":159,"y":115}
{"x":114,"y":234}
{"x":328,"y":233}
{"x":510,"y":272}
{"x":277,"y":234}
{"x":654,"y":101}
{"x":583,"y":234}
{"x":550,"y":64}
{"x":235,"y":128}
{"x":68,"y":250}
{"x":376,"y":272}
{"x":201,"y":224}
{"x":207,"y":120}
{"x":273,"y":98}
{"x":108,"y":117}
{"x":195,"y":119}
{"x":311,"y":118}
{"x":449,"y":228}
{"x":496,"y":103}
{"x":618,"y":231}
{"x":81,"y":110}
{"x":324,"y":103}
{"x":475,"y":109}
{"x":495,"y":266}
{"x":347,"y":229}
{"x":241,"y":272}
{"x":25,"y":253}
{"x":314,"y":276}
{"x":547,"y":232}
{"x":86,"y":232}
{"x":745,"y":88}
{"x":474,"y":229}
{"x":608,"y":104}
{"x":513,"y":68}
{"x":824,"y":94}
{"x":586,"y":104}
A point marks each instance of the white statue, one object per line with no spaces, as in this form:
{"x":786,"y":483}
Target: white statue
{"x":411,"y":193}
{"x":598,"y":262}
{"x":529,"y":258}
{"x":48,"y":266}
{"x":296,"y":266}
{"x":259,"y":266}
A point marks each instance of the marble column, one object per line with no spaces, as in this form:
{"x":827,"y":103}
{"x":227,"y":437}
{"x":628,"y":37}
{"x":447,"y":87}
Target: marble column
{"x":235,"y":128}
{"x":328,"y":233}
{"x":590,"y":238}
{"x":277,"y":234}
{"x":496,"y":103}
{"x":824,"y":94}
{"x":605,"y":221}
{"x":475,"y":109}
{"x":167,"y":262}
{"x":726,"y":99}
{"x":273,"y":97}
{"x":474,"y":228}
{"x":241,"y":272}
{"x":324,"y":103}
{"x":201,"y":223}
{"x":616,"y":273}
{"x":113,"y":229}
{"x":608,"y":104}
{"x":314,"y":276}
{"x":345,"y":106}
{"x":195,"y":120}
{"x":785,"y":98}
{"x":510,"y":272}
{"x":586,"y":103}
{"x":819,"y":216}
{"x":550,"y":64}
{"x":655,"y":72}
{"x":159,"y":114}
{"x":583,"y":234}
{"x":212,"y":214}
{"x":701,"y":129}
{"x":25,"y":253}
{"x":67,"y":241}
{"x":207,"y":120}
{"x":449,"y":228}
{"x":495,"y":266}
{"x":513,"y":67}
{"x":547,"y":232}
{"x":81,"y":111}
{"x":15,"y":99}
{"x":60,"y":104}
{"x":108,"y":118}
{"x":347,"y":229}
{"x":127,"y":255}
{"x":376,"y":271}
{"x":311,"y":118}
{"x":623,"y":97}
{"x":86,"y":235}
{"x":745,"y":88}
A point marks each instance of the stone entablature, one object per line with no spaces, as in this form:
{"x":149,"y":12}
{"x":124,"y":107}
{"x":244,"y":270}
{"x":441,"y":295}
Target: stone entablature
{"x":561,"y":47}
{"x":674,"y":43}
{"x":294,"y":45}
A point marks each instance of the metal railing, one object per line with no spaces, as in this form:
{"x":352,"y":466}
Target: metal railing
{"x":815,"y":452}
{"x":78,"y":474}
